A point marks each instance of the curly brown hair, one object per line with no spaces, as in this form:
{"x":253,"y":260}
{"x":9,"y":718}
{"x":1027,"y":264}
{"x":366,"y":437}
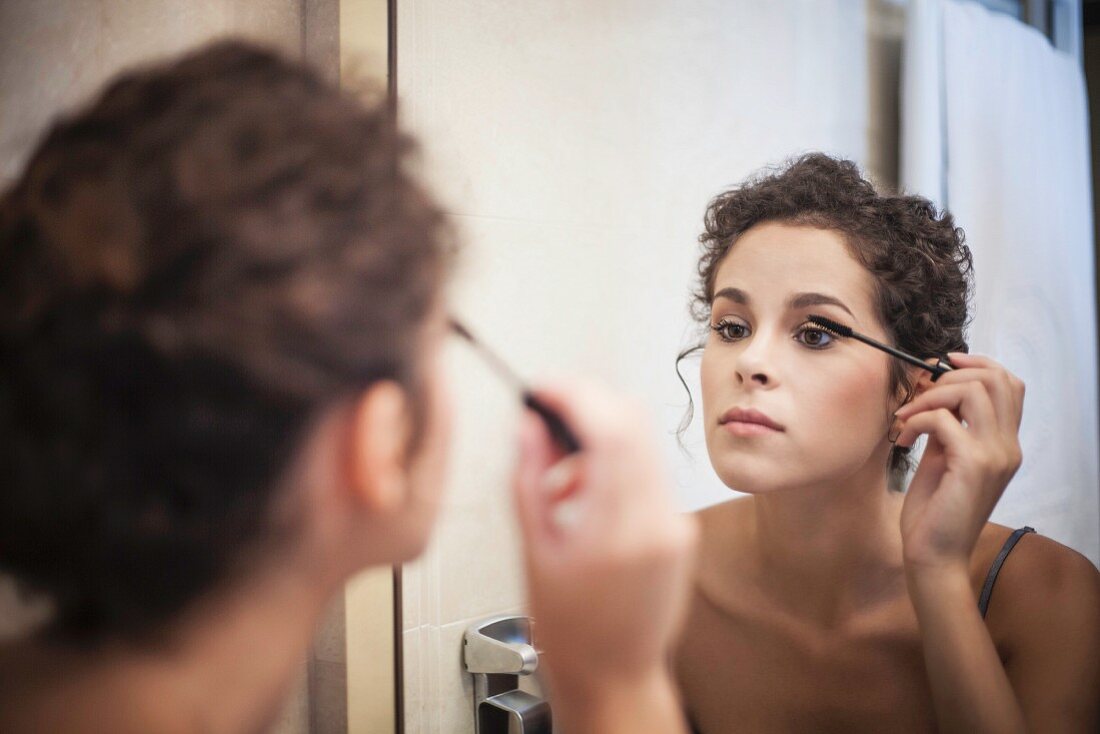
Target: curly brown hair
{"x":919,"y":262}
{"x":191,"y":269}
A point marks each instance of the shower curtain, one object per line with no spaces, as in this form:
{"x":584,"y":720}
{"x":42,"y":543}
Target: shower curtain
{"x":995,"y":127}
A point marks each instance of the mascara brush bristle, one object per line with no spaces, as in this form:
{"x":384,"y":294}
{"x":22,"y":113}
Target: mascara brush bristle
{"x":942,"y":365}
{"x":831,"y":325}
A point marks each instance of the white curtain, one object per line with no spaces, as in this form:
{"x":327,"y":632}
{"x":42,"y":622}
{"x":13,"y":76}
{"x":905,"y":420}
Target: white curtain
{"x":995,"y":128}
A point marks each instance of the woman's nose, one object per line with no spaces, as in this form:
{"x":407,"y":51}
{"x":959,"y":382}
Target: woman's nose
{"x":754,"y":364}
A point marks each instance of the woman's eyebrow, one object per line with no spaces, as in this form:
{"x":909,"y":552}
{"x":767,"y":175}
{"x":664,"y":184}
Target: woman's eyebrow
{"x":796,"y":301}
{"x":802,"y":300}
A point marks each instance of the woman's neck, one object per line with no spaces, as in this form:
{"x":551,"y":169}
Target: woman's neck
{"x":229,"y":668}
{"x":830,"y":550}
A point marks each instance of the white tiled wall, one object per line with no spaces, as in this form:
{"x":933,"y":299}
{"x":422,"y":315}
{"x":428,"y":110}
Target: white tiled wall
{"x":576,"y":145}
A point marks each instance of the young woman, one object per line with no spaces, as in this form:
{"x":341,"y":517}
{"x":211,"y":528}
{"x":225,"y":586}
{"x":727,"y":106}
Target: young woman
{"x":221,"y":395}
{"x":828,"y":600}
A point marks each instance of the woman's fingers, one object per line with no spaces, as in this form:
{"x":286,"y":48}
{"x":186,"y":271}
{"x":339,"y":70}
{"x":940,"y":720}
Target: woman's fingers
{"x":533,"y":502}
{"x":1005,"y":388}
{"x":610,"y":428}
{"x":622,"y":501}
{"x":982,"y":459}
{"x":600,"y":530}
{"x":939,"y":423}
{"x":606,"y":494}
{"x":585,"y":408}
{"x":963,"y":470}
{"x":969,"y":400}
{"x":524,"y":478}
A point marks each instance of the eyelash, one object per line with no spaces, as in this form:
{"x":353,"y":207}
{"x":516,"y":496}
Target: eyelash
{"x":722,"y":326}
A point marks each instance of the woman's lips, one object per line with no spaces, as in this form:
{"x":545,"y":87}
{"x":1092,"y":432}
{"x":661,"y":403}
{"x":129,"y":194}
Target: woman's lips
{"x":740,"y":428}
{"x":748,"y":422}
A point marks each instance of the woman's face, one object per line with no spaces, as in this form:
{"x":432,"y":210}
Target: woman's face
{"x":828,"y":398}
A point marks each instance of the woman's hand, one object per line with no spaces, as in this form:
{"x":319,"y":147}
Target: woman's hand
{"x":964,"y":471}
{"x":965,"y":468}
{"x":608,"y":562}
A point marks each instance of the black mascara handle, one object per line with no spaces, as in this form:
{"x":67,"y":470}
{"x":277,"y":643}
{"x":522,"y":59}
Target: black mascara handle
{"x":558,"y":430}
{"x":943,"y":365}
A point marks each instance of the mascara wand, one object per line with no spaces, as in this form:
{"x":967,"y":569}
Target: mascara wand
{"x":560,"y":432}
{"x":941,"y":366}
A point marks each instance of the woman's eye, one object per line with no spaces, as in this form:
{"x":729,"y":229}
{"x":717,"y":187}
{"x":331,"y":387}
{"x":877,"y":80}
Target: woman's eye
{"x":813,"y":337}
{"x":730,"y":330}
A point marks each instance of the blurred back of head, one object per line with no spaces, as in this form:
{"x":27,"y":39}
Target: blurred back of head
{"x":191,"y":268}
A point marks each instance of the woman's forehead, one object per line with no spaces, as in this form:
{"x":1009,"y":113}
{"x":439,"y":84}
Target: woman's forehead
{"x":771,"y":261}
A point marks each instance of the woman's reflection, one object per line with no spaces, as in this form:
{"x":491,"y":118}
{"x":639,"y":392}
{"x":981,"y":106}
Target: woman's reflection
{"x":828,"y":600}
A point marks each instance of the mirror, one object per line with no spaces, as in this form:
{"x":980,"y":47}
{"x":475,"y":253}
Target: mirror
{"x":577,"y":147}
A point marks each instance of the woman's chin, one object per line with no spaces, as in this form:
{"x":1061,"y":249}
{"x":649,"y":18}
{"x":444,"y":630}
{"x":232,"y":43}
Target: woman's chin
{"x":756,"y":482}
{"x":765,"y":475}
{"x":754,"y":474}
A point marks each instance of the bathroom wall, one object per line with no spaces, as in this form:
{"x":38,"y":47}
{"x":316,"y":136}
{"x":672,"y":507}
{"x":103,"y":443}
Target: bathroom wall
{"x":55,"y":54}
{"x":576,"y":145}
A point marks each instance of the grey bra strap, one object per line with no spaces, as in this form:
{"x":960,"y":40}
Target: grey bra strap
{"x":987,"y":589}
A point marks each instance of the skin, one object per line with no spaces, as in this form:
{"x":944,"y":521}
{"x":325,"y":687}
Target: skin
{"x":608,"y":562}
{"x":363,"y":499}
{"x":824,"y":601}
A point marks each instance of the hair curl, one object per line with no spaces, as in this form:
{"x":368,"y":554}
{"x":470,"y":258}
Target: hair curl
{"x":920,"y":265}
{"x":191,"y":268}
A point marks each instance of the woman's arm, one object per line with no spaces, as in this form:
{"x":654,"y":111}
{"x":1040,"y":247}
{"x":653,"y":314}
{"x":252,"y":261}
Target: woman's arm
{"x":1047,"y":615}
{"x":972,"y":420}
{"x":970,"y":689}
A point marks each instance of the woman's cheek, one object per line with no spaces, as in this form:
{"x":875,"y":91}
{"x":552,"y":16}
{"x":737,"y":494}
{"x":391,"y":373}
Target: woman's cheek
{"x":855,"y":405}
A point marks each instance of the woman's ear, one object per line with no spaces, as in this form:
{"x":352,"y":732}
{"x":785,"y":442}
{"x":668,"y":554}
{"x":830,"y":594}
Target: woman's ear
{"x":923,"y":378}
{"x":920,"y":379}
{"x":379,"y":436}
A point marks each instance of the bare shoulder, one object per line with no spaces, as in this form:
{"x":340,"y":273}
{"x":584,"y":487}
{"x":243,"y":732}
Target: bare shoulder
{"x":1039,"y":568}
{"x":1043,"y":586}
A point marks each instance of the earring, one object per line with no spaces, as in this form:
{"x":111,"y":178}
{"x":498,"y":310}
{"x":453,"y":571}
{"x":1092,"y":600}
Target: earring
{"x":894,"y":438}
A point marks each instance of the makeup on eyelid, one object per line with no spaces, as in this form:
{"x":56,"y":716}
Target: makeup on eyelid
{"x":942,"y":365}
{"x":724,"y":324}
